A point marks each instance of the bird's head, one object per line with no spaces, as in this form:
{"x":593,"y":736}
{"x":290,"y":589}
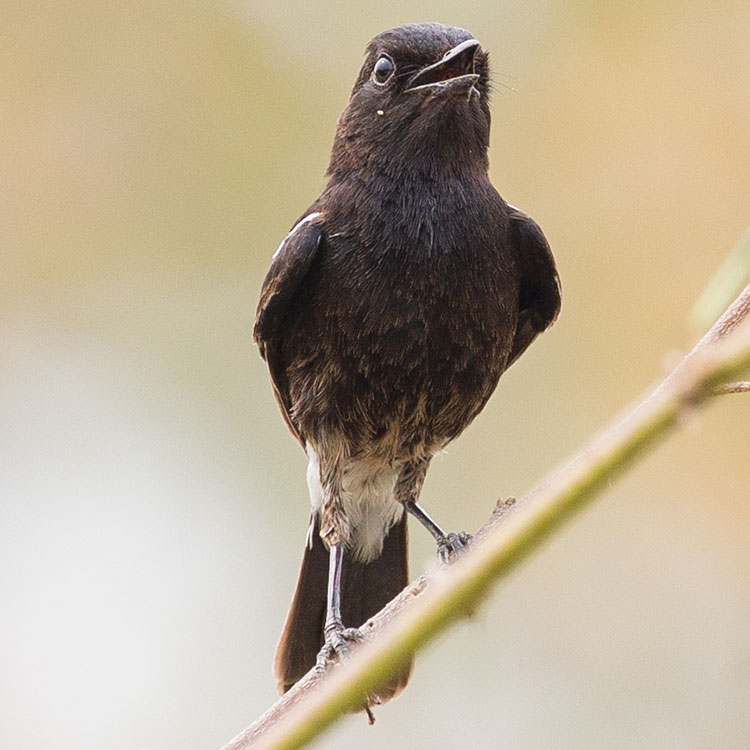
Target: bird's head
{"x":421,"y":100}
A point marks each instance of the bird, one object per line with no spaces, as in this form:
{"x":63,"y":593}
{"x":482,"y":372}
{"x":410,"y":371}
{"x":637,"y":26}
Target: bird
{"x":389,"y":312}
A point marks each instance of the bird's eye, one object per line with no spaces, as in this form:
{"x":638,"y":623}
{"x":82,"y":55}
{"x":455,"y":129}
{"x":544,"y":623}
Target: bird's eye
{"x":383,"y":70}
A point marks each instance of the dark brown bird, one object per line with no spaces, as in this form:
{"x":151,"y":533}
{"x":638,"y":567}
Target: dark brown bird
{"x":389,"y":313}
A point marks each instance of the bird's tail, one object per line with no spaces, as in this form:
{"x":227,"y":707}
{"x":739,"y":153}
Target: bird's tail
{"x":366,"y":588}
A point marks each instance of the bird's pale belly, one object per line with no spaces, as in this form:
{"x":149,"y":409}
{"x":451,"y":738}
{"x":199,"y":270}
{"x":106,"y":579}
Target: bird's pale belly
{"x":367,"y":498}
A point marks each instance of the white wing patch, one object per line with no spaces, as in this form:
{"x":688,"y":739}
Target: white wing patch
{"x":307,"y":218}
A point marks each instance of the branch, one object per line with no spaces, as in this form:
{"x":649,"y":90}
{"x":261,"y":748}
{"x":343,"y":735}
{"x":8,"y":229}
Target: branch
{"x":516,"y":528}
{"x":743,"y":386}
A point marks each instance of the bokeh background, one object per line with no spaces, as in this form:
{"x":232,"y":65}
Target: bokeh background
{"x":153,"y":506}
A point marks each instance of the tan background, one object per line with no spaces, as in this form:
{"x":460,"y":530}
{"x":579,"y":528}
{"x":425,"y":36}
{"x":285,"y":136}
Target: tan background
{"x":153,"y":505}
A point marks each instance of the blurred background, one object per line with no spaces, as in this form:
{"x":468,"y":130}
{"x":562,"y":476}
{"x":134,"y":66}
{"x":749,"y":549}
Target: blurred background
{"x":152,"y":504}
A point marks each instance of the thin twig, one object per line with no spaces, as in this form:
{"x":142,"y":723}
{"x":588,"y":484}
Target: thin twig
{"x":515,"y":529}
{"x":742,"y":386}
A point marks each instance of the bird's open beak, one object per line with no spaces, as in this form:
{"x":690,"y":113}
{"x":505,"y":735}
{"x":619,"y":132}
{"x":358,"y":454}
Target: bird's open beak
{"x":455,"y":72}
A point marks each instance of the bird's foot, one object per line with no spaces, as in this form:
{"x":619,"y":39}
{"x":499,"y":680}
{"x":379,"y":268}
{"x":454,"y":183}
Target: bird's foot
{"x":452,"y":546}
{"x":338,"y":640}
{"x":337,"y":644}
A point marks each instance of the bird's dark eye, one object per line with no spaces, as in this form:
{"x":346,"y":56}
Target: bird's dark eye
{"x":383,"y":70}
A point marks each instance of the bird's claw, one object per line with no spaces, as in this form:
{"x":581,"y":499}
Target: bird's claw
{"x":452,"y":546}
{"x":337,"y":643}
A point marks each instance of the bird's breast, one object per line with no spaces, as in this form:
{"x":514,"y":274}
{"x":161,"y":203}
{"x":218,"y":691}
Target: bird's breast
{"x":399,"y":342}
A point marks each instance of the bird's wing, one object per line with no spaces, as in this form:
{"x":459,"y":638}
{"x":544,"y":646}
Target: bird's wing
{"x":291,"y":262}
{"x":539,"y":297}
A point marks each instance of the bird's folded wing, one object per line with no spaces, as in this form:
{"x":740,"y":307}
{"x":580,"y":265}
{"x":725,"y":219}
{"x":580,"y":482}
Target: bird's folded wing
{"x":291,"y":263}
{"x":539,"y":296}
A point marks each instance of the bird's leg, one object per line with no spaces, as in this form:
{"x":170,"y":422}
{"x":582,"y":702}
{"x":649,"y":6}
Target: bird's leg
{"x":337,"y":637}
{"x":449,"y":546}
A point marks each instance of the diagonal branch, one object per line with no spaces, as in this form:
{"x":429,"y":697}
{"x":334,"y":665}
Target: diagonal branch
{"x":515,"y":529}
